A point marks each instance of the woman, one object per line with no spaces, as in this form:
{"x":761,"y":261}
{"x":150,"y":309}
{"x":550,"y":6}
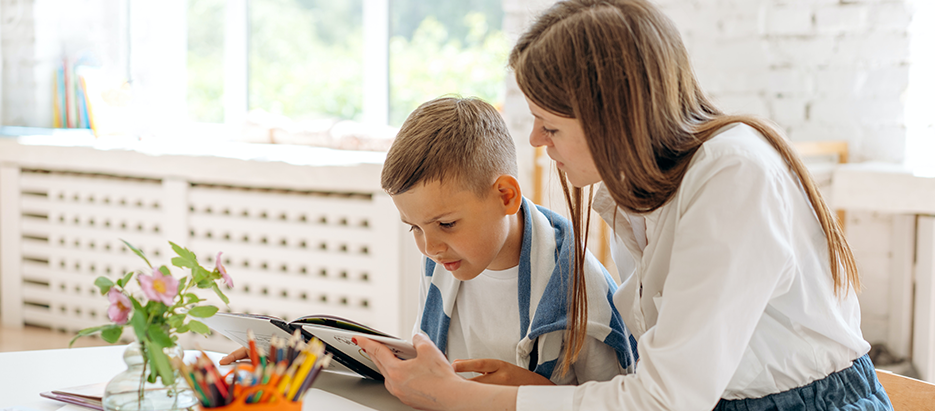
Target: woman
{"x":738,"y":282}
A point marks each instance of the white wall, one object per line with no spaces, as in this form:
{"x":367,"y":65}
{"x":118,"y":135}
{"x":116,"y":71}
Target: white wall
{"x":821,"y":69}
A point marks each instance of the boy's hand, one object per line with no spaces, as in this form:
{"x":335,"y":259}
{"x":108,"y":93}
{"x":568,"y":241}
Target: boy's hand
{"x":238,"y":354}
{"x":499,"y":372}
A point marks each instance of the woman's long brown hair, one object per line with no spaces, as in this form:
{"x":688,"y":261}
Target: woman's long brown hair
{"x":620,"y":68}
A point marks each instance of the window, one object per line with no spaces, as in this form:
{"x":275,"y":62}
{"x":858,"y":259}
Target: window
{"x":445,"y":47}
{"x":306,"y":58}
{"x":370,"y":61}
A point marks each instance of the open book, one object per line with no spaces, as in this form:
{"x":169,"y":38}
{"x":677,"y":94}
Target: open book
{"x":336,"y":332}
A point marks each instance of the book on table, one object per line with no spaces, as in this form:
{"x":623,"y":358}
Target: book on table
{"x":88,"y":396}
{"x":335,"y":332}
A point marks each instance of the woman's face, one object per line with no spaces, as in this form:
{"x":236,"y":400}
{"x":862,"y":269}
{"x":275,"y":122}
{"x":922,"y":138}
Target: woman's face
{"x":563,"y":139}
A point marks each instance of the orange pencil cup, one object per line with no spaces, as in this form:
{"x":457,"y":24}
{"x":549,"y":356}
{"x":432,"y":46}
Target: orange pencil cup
{"x":277,"y":403}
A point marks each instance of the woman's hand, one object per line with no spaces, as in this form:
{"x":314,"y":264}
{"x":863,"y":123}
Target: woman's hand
{"x":429,"y":382}
{"x":417,"y":382}
{"x":238,"y":354}
{"x":499,"y":372}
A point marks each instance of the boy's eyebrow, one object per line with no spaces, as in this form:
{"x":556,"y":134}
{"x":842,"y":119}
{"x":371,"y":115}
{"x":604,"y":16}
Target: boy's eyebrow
{"x":431,"y":220}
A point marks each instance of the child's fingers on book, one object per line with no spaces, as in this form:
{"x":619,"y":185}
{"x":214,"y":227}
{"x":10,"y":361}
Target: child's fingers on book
{"x":483,"y":365}
{"x":504,"y":373}
{"x":492,"y":379}
{"x":236,"y":355}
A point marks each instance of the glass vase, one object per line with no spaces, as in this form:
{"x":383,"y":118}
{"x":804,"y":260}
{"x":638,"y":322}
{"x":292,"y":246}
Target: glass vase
{"x":129,"y":390}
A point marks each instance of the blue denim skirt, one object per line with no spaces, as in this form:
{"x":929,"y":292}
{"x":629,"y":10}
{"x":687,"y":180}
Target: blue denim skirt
{"x":851,"y":389}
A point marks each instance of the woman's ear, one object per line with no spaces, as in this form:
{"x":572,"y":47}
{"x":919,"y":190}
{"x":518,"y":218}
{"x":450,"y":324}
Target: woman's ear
{"x":509,"y":193}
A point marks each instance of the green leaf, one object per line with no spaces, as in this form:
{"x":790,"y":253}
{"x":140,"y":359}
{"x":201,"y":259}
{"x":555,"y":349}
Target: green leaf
{"x":104,"y":284}
{"x":175,"y":321}
{"x":198,"y":327}
{"x":159,"y":336}
{"x":138,"y":321}
{"x":206,"y":283}
{"x":160,"y":362}
{"x":138,"y":252}
{"x":86,"y":332}
{"x":182,"y":263}
{"x":125,"y":280}
{"x":184,"y":253}
{"x":201,"y":276}
{"x":182,"y":329}
{"x":112,"y":333}
{"x":192,"y":298}
{"x":165,"y":270}
{"x":182,"y":282}
{"x":204,"y":311}
{"x":136,"y":304}
{"x":220,"y":294}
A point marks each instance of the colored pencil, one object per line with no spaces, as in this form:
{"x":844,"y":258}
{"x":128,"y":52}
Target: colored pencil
{"x":254,"y":355}
{"x":273,"y":375}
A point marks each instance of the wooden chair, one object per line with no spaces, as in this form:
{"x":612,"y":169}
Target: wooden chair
{"x":907,"y":394}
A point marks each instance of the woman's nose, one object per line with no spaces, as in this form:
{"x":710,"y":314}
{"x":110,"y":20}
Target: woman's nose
{"x":537,"y":139}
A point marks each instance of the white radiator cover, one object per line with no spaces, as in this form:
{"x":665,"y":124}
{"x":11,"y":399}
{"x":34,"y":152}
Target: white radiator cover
{"x":313,"y":238}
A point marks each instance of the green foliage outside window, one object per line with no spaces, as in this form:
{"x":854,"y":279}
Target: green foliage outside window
{"x":306,"y":56}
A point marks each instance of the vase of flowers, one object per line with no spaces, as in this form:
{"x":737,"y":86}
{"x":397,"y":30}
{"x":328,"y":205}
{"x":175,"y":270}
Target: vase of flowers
{"x":159,"y":307}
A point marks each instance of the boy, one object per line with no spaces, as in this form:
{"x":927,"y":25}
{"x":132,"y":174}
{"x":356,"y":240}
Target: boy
{"x":495,"y":276}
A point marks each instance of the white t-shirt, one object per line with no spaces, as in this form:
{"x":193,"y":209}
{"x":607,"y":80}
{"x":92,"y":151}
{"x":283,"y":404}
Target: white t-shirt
{"x":485,"y":320}
{"x":731,"y":294}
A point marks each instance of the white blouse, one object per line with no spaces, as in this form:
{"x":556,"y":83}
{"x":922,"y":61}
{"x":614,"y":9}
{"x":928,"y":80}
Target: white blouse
{"x":730,"y":296}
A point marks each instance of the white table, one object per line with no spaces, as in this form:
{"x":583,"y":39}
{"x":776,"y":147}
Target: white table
{"x":24,"y":374}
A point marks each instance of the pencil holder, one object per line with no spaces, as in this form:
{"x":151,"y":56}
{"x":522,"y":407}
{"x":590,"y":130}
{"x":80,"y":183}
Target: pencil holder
{"x":278,"y":403}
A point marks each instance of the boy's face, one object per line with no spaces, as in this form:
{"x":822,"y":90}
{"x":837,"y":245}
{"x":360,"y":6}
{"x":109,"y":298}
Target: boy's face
{"x":458,"y":229}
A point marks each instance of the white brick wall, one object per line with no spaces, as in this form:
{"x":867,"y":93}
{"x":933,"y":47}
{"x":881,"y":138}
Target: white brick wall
{"x":821,"y":69}
{"x":833,"y":70}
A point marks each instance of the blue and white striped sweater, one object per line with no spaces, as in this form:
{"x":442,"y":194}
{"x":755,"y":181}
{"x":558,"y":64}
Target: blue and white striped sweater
{"x":543,"y":298}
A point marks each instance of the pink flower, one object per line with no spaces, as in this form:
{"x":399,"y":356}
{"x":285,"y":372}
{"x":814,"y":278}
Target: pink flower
{"x":119,"y":309}
{"x":159,"y":287}
{"x":227,"y":278}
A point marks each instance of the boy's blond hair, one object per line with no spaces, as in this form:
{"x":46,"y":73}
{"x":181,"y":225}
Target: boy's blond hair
{"x":452,"y":140}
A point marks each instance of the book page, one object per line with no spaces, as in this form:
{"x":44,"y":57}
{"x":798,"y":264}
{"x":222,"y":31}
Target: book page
{"x":235,"y":326}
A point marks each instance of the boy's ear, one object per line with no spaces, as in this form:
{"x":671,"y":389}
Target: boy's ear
{"x":509,"y":193}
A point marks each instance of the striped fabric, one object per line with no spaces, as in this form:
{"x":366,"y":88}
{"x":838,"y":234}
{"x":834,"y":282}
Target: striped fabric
{"x":543,"y":298}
